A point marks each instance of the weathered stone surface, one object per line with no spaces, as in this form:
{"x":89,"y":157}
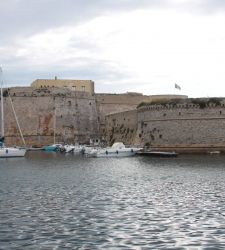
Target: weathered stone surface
{"x":75,"y":116}
{"x":122,"y":127}
{"x":114,"y":103}
{"x":184,"y":127}
{"x":78,"y":116}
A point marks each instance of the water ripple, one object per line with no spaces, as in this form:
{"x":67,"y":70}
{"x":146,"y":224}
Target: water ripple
{"x":56,"y":202}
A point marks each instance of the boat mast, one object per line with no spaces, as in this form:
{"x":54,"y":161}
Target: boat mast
{"x":17,"y":122}
{"x":2,"y":110}
{"x":54,"y":125}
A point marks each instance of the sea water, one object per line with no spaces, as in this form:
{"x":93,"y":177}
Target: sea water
{"x":57,"y":201}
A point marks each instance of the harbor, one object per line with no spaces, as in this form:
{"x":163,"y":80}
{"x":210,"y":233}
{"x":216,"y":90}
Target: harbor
{"x":112,"y":125}
{"x":52,"y":200}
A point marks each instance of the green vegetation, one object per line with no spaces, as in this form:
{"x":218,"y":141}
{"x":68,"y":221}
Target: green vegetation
{"x":143,"y":104}
{"x":162,"y":102}
{"x":204,"y":103}
{"x":201,"y":102}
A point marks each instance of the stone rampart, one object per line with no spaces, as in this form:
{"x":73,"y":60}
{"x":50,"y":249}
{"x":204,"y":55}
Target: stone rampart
{"x":114,"y":103}
{"x":121,"y":127}
{"x":79,"y":116}
{"x":192,"y":126}
{"x":184,"y":127}
{"x":75,"y":116}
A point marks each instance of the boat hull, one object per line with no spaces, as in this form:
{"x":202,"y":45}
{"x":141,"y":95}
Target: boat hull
{"x":158,"y":154}
{"x":8,"y":152}
{"x":53,"y":147}
{"x":49,"y":148}
{"x":116,"y":153}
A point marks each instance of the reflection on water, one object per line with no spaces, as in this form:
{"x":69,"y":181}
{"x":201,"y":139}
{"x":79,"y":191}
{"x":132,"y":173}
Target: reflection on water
{"x":53,"y":201}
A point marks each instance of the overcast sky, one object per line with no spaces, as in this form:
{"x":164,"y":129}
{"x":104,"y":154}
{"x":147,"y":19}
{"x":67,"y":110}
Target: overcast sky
{"x":125,"y":45}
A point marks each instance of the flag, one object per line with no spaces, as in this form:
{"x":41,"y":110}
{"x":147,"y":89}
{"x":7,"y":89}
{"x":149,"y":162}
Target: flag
{"x":177,"y":86}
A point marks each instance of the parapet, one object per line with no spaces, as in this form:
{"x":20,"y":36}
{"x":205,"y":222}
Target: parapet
{"x":190,"y":103}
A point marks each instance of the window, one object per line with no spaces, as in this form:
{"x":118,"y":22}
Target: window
{"x":83,"y":88}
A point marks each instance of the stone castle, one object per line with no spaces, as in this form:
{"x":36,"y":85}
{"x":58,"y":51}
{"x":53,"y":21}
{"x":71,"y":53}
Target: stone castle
{"x":72,"y":111}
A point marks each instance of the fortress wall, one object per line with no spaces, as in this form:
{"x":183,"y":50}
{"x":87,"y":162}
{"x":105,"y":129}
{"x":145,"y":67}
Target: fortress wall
{"x":114,"y":103}
{"x":76,"y":116}
{"x":121,"y":127}
{"x":188,"y":128}
{"x":185,"y":128}
{"x":190,"y":111}
{"x":133,"y":98}
{"x":79,"y":117}
{"x":50,"y":91}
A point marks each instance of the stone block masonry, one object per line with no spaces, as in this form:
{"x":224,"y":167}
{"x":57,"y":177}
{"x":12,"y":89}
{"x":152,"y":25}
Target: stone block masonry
{"x":78,"y":116}
{"x":188,"y":126}
{"x":181,"y":126}
{"x":75,"y":116}
{"x":122,"y":127}
{"x":108,"y":104}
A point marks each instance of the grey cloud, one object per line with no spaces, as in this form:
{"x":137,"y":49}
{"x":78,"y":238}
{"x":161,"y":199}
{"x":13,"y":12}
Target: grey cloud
{"x":200,"y":7}
{"x":212,"y":6}
{"x":24,"y":17}
{"x":82,"y":43}
{"x":21,"y":18}
{"x":86,"y":68}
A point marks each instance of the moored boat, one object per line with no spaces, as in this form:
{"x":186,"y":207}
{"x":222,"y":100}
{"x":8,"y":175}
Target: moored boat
{"x":76,"y":149}
{"x":158,"y":154}
{"x":7,"y":152}
{"x":118,"y":149}
{"x":53,"y":147}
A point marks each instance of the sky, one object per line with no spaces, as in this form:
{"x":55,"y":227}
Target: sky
{"x":144,"y":46}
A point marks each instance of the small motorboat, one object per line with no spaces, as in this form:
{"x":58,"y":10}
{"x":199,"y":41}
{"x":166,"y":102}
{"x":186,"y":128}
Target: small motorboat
{"x":76,"y":149}
{"x":118,"y":149}
{"x":53,"y":147}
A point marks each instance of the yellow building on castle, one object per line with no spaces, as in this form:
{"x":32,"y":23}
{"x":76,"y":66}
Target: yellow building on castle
{"x":74,"y":85}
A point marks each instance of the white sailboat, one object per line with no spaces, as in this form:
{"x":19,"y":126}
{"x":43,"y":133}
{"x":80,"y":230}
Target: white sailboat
{"x":8,"y":152}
